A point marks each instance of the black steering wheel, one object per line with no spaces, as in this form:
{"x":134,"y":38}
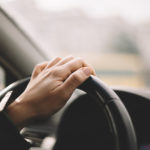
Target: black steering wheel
{"x":118,"y":118}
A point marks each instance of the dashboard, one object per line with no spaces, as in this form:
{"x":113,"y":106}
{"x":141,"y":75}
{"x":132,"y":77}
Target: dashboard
{"x":137,"y":103}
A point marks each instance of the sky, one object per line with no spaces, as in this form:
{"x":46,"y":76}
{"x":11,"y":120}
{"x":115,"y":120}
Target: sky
{"x":132,"y":10}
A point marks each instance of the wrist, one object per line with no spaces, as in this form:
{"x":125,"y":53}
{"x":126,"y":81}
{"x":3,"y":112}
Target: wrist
{"x":20,"y":114}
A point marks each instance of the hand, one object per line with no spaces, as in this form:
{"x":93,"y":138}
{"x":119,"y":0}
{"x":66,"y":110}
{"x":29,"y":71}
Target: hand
{"x":51,"y":85}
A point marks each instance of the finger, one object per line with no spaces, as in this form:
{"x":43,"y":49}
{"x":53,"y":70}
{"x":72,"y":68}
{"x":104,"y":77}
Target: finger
{"x":74,"y":80}
{"x":65,"y":70}
{"x":92,"y":69}
{"x":62,"y":72}
{"x":38,"y":68}
{"x":53,"y":62}
{"x":74,"y":65}
{"x":65,"y":60}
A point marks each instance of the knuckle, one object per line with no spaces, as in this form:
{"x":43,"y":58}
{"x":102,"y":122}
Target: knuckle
{"x":52,"y":72}
{"x":80,"y":61}
{"x":37,"y":66}
{"x":71,"y":57}
{"x":58,"y":58}
{"x":55,"y":72}
{"x":75,"y":78}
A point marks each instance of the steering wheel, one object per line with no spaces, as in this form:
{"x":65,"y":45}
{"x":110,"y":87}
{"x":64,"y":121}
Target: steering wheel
{"x":118,"y":118}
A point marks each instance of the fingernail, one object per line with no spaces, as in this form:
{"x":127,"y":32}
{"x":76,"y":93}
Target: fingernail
{"x":87,"y":71}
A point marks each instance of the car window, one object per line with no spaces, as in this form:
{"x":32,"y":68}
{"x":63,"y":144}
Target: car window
{"x":2,"y":78}
{"x":113,"y":36}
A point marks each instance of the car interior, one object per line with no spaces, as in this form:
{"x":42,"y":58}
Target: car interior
{"x":97,"y":116}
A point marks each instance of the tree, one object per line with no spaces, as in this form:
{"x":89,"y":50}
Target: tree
{"x":124,"y":43}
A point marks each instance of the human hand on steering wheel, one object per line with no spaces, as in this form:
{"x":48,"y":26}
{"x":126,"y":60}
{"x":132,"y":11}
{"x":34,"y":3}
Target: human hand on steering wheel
{"x":51,"y":85}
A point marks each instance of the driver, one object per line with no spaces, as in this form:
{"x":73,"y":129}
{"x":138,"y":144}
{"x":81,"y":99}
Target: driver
{"x":51,"y":85}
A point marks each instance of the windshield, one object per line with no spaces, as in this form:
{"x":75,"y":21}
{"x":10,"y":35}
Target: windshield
{"x":113,"y":36}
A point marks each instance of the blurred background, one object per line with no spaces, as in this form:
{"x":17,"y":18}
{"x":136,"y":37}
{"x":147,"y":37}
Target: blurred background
{"x":113,"y":36}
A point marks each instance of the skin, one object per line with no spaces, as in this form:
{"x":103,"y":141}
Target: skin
{"x":51,"y":85}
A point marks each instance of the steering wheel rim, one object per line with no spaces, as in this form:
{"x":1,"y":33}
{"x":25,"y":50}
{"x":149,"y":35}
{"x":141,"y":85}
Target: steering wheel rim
{"x":117,"y":115}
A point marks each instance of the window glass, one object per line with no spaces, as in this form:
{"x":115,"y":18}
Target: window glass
{"x":2,"y":78}
{"x":113,"y":36}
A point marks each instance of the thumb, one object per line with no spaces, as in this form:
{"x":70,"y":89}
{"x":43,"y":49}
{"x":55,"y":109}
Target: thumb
{"x":75,"y":79}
